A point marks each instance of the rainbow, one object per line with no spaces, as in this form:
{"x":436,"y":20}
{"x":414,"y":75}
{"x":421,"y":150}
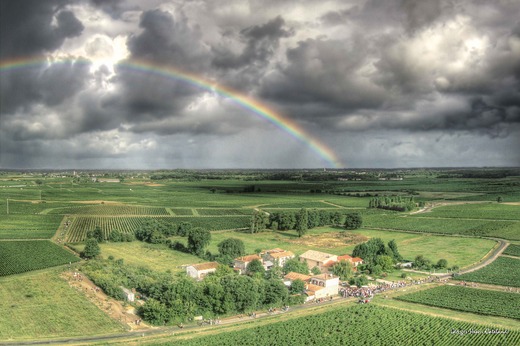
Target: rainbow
{"x":246,"y":102}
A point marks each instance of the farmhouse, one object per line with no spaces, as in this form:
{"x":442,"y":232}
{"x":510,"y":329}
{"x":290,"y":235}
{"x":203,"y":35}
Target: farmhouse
{"x":199,"y":271}
{"x":316,"y":286}
{"x":318,"y":259}
{"x":277,"y":256}
{"x":242,"y":262}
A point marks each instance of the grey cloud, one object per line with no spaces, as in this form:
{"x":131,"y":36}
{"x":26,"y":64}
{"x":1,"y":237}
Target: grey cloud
{"x":170,"y":40}
{"x":261,"y":41}
{"x":27,"y":29}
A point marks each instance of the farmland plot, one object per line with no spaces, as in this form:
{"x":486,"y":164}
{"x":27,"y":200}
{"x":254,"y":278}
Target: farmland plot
{"x":479,"y":301}
{"x":23,"y":256}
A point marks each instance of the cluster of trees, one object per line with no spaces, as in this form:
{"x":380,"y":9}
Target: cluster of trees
{"x":301,"y":220}
{"x":157,"y":231}
{"x":420,"y":262}
{"x":174,"y":299}
{"x":396,"y":203}
{"x":377,"y":256}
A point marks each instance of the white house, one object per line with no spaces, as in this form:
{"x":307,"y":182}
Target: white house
{"x":322,"y":286}
{"x":199,"y":271}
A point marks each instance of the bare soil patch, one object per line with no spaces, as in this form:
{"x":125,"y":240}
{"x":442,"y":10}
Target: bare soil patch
{"x":110,"y":306}
{"x":97,"y":201}
{"x":144,"y":183}
{"x":330,"y":240}
{"x":512,"y":203}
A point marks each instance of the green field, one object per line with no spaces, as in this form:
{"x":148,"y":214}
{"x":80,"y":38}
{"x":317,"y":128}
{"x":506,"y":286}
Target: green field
{"x":29,"y":226}
{"x":512,"y":250}
{"x":361,"y":325}
{"x":43,"y":306}
{"x":478,"y":301}
{"x":23,"y":256}
{"x":156,"y":257}
{"x":491,"y":211}
{"x":459,"y":251}
{"x":503,"y":271}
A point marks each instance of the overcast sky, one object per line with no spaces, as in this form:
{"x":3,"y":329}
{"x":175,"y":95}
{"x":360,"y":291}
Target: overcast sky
{"x":393,"y":83}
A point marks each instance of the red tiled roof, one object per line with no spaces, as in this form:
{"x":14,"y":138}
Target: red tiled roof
{"x":345,"y":258}
{"x":296,"y":276}
{"x":281,"y":254}
{"x":357,"y":259}
{"x":248,"y":258}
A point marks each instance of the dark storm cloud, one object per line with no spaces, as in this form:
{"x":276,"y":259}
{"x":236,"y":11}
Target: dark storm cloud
{"x":323,"y":72}
{"x":261,"y":41}
{"x":170,"y":40}
{"x":27,"y":28}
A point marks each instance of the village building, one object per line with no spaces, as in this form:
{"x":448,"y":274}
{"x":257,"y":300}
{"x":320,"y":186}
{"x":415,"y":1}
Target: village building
{"x":291,"y":276}
{"x":240,"y":264}
{"x":277,"y":256}
{"x":199,"y":271}
{"x":318,"y":259}
{"x":316,"y":286}
{"x":354,"y":260}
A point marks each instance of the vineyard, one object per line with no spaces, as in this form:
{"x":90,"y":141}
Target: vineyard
{"x":512,"y":250}
{"x":479,"y":301}
{"x":110,"y":210}
{"x":29,"y":226}
{"x":504,"y":271}
{"x":80,"y":225}
{"x":23,"y":256}
{"x":483,"y":227}
{"x":362,"y":325}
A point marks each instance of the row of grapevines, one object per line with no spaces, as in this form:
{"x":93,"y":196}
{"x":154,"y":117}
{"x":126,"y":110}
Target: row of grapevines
{"x":504,"y":271}
{"x":467,"y":299}
{"x":23,"y":256}
{"x":108,"y":209}
{"x":512,"y":250}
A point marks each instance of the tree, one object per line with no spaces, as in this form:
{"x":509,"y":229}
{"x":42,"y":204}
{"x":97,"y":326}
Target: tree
{"x":184,"y":229}
{"x":499,"y":199}
{"x":91,"y":248}
{"x":386,"y":262}
{"x":442,"y":263}
{"x":259,"y":221}
{"x":297,"y":286}
{"x":231,"y":247}
{"x":343,"y":269}
{"x":421,"y":262}
{"x":353,"y":221}
{"x":393,"y":246}
{"x":275,"y":292}
{"x":115,"y":236}
{"x":255,"y":266}
{"x":198,"y":239}
{"x":302,"y":222}
{"x":98,"y":234}
{"x":316,"y":270}
{"x":294,"y":265}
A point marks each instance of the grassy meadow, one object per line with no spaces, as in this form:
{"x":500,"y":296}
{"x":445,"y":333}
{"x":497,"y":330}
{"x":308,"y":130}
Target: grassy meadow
{"x":41,"y":305}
